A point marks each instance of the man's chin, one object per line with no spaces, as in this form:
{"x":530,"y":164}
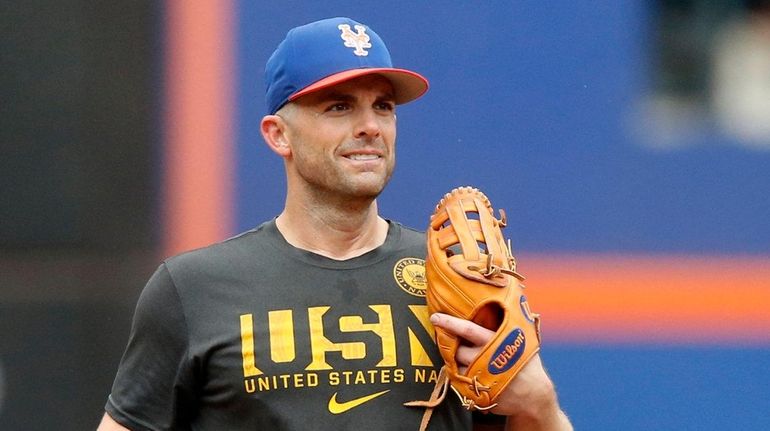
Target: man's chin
{"x":367,"y":190}
{"x":369,"y":184}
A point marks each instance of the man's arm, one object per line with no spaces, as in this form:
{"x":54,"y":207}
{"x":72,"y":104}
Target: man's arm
{"x":530,"y":400}
{"x":109,"y":424}
{"x":154,"y":379}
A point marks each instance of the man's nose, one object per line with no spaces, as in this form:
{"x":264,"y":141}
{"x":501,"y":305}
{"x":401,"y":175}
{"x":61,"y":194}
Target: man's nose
{"x":369,"y":124}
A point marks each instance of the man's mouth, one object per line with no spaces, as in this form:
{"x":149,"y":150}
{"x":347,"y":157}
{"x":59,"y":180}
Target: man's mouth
{"x":362,"y":157}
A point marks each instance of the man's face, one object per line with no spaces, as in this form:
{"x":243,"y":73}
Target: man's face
{"x":342,"y":138}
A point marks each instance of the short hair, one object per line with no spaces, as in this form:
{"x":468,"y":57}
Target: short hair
{"x":287,"y":110}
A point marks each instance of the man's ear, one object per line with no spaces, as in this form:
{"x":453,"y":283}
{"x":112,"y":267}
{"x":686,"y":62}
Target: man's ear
{"x":274,"y":130}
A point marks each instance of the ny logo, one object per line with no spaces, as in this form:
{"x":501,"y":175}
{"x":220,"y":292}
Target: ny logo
{"x":359,"y":40}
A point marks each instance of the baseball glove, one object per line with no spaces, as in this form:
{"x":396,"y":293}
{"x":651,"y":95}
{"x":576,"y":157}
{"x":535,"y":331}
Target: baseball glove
{"x":471,"y":274}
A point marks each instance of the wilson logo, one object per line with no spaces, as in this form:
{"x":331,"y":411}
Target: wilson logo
{"x":508,"y":353}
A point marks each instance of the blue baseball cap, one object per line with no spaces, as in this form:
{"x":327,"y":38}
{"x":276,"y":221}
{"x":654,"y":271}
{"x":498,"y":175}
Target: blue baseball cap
{"x":324,"y":53}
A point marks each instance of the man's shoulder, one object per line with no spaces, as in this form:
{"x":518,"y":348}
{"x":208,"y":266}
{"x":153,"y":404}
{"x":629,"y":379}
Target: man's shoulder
{"x":408,"y":230}
{"x":409,"y":236}
{"x":224,"y":253}
{"x":412,"y":234}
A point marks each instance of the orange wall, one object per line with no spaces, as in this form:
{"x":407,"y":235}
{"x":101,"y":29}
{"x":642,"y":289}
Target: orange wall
{"x":668,"y":299}
{"x":198,"y":152}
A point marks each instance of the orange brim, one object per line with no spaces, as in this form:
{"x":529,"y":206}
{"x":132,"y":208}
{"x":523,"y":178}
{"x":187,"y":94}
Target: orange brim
{"x":408,"y":85}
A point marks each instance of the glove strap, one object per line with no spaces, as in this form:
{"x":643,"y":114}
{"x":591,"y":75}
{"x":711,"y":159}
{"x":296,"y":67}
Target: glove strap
{"x":436,"y":397}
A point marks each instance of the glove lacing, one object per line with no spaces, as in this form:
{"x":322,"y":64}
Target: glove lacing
{"x":436,"y":397}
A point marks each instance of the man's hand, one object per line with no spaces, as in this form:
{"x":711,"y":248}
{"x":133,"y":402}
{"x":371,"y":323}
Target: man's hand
{"x":109,"y":424}
{"x":530,"y":401}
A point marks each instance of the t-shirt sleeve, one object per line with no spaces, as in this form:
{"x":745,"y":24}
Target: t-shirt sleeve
{"x":154,"y":383}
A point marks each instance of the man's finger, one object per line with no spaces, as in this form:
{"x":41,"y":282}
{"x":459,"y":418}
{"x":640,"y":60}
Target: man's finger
{"x":465,"y":329}
{"x":466,"y":354}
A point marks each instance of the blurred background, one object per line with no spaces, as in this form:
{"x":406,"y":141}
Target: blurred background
{"x":628,"y":141}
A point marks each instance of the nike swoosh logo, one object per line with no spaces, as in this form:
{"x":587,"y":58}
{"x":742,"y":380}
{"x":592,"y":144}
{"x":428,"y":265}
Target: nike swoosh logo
{"x":336,"y":407}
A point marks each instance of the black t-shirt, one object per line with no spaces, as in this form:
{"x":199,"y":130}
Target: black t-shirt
{"x":253,"y":334}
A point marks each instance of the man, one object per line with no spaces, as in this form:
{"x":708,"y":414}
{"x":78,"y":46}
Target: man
{"x":316,"y":319}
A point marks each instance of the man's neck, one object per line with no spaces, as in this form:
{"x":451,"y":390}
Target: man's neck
{"x":336,"y":233}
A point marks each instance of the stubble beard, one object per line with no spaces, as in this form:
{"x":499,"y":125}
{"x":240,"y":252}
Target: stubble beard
{"x":333,"y":184}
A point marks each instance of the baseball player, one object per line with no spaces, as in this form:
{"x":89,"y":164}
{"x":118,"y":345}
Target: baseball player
{"x":317,"y":318}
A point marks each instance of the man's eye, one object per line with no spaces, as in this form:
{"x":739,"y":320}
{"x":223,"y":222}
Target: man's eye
{"x":338,"y":107}
{"x":386,"y":106}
